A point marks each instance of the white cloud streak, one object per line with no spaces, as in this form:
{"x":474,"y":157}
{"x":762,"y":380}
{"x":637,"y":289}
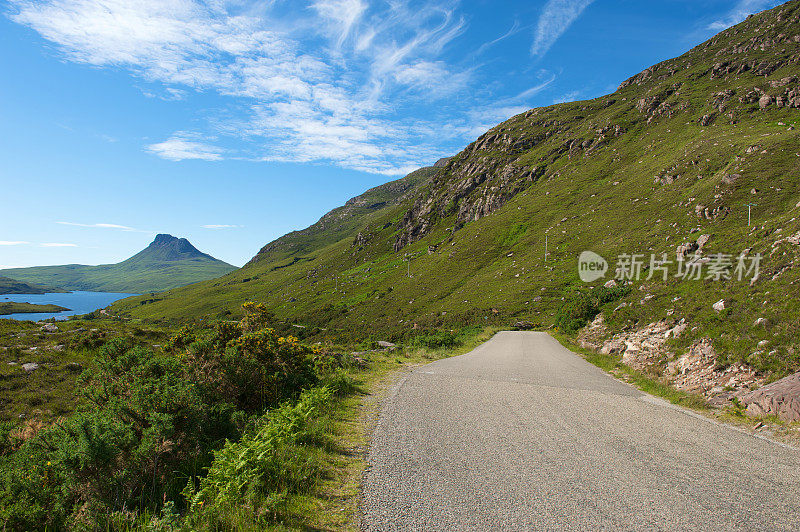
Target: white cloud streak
{"x":556,"y":18}
{"x":221,"y":226}
{"x":181,"y":146}
{"x":13,"y":243}
{"x":741,"y":11}
{"x":57,"y":245}
{"x":101,"y":226}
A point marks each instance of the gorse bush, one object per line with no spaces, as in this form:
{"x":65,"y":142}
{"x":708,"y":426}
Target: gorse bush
{"x":581,"y":307}
{"x":151,"y":424}
{"x":252,"y":370}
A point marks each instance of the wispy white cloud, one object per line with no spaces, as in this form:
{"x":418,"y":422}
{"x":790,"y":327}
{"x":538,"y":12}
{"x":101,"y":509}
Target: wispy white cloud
{"x":221,"y":226}
{"x":58,"y":245}
{"x":13,"y":242}
{"x":515,"y":28}
{"x":182,"y":146}
{"x":302,"y":102}
{"x":101,"y":226}
{"x":341,"y":16}
{"x":556,"y":18}
{"x":741,"y":11}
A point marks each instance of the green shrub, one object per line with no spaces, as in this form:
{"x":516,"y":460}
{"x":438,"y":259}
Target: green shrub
{"x":437,"y":340}
{"x":581,"y":307}
{"x":263,"y":467}
{"x":149,"y":420}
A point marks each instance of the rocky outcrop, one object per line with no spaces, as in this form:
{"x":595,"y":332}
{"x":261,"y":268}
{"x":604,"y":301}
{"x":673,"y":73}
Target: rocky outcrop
{"x":697,"y":370}
{"x":781,"y":398}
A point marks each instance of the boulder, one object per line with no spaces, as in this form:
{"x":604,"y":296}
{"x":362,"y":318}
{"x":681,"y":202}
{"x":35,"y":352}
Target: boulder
{"x":49,"y":327}
{"x":760,"y":321}
{"x":30,"y":366}
{"x":524,"y":325}
{"x":386,"y":345}
{"x":719,"y":306}
{"x":781,"y":398}
{"x":764,"y":101}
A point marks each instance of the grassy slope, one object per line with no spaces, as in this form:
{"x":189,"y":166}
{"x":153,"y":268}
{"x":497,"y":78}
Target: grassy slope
{"x":142,"y":273}
{"x":603,"y":198}
{"x":12,"y":286}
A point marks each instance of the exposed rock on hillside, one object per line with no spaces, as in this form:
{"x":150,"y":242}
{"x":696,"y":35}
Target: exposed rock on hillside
{"x":508,"y":158}
{"x":697,"y":370}
{"x":781,"y":398}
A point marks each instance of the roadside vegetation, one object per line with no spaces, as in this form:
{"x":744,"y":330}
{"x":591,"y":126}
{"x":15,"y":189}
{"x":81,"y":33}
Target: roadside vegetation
{"x":224,"y":425}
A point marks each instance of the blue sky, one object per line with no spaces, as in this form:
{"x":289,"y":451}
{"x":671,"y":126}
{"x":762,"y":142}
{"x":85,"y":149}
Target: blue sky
{"x":232,"y":122}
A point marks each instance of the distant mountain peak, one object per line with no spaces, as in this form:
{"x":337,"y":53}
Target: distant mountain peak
{"x":179,"y":247}
{"x":164,"y":238}
{"x":168,"y":262}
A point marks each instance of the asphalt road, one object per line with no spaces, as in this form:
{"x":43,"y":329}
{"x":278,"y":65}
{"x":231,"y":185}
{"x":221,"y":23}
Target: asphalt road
{"x":522,"y":434}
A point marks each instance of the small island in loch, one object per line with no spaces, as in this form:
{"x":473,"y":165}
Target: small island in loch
{"x":25,"y":308}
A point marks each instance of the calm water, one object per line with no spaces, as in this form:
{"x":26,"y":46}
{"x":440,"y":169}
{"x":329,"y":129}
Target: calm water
{"x":77,"y":302}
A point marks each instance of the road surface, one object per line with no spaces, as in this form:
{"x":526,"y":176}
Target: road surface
{"x":522,"y":434}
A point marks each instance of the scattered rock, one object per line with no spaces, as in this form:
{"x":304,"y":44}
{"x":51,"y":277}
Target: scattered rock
{"x":781,"y":398}
{"x":386,"y":345}
{"x":760,"y":321}
{"x":686,"y":248}
{"x":719,"y":306}
{"x":611,"y":284}
{"x":524,"y":325}
{"x":49,"y":328}
{"x":30,"y":366}
{"x":730,"y":179}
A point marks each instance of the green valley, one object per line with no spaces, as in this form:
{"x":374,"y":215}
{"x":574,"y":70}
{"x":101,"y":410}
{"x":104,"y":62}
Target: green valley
{"x":672,"y":158}
{"x":653,"y":232}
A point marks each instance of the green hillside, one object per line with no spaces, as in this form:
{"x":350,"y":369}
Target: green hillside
{"x":168,"y":262}
{"x":12,"y":286}
{"x":676,"y":153}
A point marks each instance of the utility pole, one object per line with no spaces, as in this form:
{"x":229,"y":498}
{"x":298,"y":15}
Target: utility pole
{"x":545,"y":248}
{"x":750,"y":206}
